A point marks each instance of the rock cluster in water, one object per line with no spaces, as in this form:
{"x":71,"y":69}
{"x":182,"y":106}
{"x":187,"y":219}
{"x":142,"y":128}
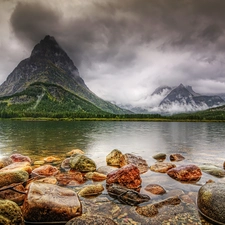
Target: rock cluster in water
{"x":49,"y":193}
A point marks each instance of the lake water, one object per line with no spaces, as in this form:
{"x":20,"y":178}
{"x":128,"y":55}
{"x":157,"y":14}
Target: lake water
{"x":198,"y":142}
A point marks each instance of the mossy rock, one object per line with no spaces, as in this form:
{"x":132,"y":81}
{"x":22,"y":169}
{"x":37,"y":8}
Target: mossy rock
{"x":10,"y":213}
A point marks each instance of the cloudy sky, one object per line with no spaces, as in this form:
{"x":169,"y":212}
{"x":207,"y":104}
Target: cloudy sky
{"x":124,"y":49}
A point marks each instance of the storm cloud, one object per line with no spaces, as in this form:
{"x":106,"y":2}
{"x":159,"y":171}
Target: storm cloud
{"x":124,"y":49}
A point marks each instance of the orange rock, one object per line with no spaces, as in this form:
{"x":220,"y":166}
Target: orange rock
{"x":155,"y":189}
{"x":127,"y":176}
{"x":66,"y":178}
{"x":20,"y":158}
{"x":74,"y":151}
{"x":46,"y":170}
{"x":185,"y":173}
{"x":176,"y":157}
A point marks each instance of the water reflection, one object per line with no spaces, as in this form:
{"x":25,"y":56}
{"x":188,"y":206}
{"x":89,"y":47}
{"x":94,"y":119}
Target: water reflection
{"x":197,"y":141}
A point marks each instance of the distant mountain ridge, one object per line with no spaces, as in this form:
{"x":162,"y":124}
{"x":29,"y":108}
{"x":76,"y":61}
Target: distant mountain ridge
{"x":50,"y":64}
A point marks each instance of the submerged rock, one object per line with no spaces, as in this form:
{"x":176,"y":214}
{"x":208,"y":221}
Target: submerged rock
{"x":213,"y":170}
{"x":65,"y":165}
{"x":160,"y":157}
{"x":135,"y":160}
{"x":162,"y":167}
{"x":211,"y":201}
{"x":95,"y":176}
{"x":125,"y":195}
{"x":74,"y":151}
{"x":185,"y":173}
{"x":66,"y":178}
{"x":152,"y":209}
{"x":113,"y":158}
{"x":45,"y":171}
{"x":176,"y":157}
{"x":127,"y":176}
{"x":50,"y":203}
{"x":15,"y":176}
{"x":10,"y":213}
{"x":106,"y":169}
{"x":82,"y":163}
{"x":51,"y":159}
{"x":155,"y":189}
{"x":20,"y":158}
{"x":90,"y":190}
{"x":5,"y":161}
{"x":91,"y":220}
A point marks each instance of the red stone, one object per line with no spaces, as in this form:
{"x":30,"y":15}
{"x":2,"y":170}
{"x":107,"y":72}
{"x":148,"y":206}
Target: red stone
{"x":46,"y":170}
{"x":185,"y":173}
{"x":68,"y":178}
{"x":20,"y":158}
{"x":127,"y":176}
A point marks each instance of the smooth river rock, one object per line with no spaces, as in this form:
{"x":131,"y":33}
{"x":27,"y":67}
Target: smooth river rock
{"x":95,"y":176}
{"x":82,"y":163}
{"x":155,"y":189}
{"x":113,"y":158}
{"x":213,"y":170}
{"x":20,"y":158}
{"x":10,"y":213}
{"x":135,"y":160}
{"x":5,"y":161}
{"x":211,"y":201}
{"x":18,"y":166}
{"x":162,"y":167}
{"x":91,"y":190}
{"x":45,"y":171}
{"x":127,"y":176}
{"x":185,"y":173}
{"x":67,"y":178}
{"x":176,"y":157}
{"x":50,"y":203}
{"x":160,"y":157}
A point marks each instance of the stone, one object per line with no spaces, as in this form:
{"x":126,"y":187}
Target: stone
{"x":155,"y":189}
{"x":213,"y":170}
{"x":13,"y":192}
{"x":125,"y":195}
{"x":185,"y":173}
{"x":95,"y":176}
{"x":127,"y":176}
{"x":91,"y":190}
{"x":5,"y":161}
{"x":10,"y":177}
{"x":20,"y":158}
{"x":162,"y":167}
{"x":50,"y":203}
{"x":176,"y":157}
{"x":211,"y":201}
{"x":74,"y":151}
{"x":91,"y":220}
{"x":10,"y":213}
{"x":152,"y":209}
{"x":65,"y":165}
{"x":66,"y":178}
{"x":45,"y":171}
{"x":135,"y":160}
{"x":160,"y":157}
{"x":106,"y":169}
{"x":18,"y":166}
{"x":113,"y":158}
{"x":82,"y":163}
{"x":39,"y":162}
{"x":51,"y":159}
{"x":224,"y":165}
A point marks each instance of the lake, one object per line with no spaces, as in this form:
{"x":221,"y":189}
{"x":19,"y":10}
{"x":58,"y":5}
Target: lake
{"x":198,"y":142}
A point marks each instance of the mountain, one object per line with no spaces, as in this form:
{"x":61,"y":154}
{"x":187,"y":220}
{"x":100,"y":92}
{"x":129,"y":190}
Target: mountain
{"x":50,"y":64}
{"x":185,"y":98}
{"x":162,"y":90}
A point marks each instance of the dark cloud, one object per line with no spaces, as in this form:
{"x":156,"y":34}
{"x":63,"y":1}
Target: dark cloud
{"x":124,"y":49}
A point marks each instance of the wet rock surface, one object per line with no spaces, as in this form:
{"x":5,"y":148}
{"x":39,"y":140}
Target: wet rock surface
{"x":20,"y":158}
{"x":155,"y":189}
{"x":176,"y":157}
{"x":113,"y":158}
{"x":50,"y":203}
{"x":126,"y":196}
{"x":82,"y":163}
{"x":211,"y":201}
{"x":213,"y":170}
{"x":5,"y":161}
{"x":185,"y":173}
{"x":18,"y":166}
{"x":65,"y":179}
{"x":160,"y":157}
{"x":45,"y":171}
{"x":127,"y":176}
{"x":91,"y":190}
{"x":135,"y":160}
